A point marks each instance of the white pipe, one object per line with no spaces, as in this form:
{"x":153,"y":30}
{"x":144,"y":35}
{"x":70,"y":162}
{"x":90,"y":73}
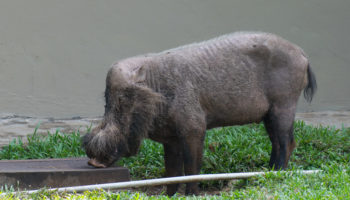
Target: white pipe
{"x":170,"y":180}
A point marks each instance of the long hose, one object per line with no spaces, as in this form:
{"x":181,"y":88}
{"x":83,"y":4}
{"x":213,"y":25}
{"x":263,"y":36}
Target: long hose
{"x":170,"y":180}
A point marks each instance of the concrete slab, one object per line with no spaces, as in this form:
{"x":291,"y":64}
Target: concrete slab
{"x":13,"y":126}
{"x":35,"y":174}
{"x":338,"y":119}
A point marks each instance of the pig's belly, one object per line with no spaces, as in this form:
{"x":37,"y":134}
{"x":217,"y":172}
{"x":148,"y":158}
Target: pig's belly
{"x":236,"y":112}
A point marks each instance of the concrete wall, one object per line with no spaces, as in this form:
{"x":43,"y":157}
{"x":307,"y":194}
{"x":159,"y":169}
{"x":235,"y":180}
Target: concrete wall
{"x":54,"y":54}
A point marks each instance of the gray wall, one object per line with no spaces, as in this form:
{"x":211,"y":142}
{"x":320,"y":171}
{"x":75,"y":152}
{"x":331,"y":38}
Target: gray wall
{"x":54,"y":54}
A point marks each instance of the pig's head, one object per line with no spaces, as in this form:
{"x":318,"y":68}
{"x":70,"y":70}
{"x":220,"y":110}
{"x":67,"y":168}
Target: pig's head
{"x":104,"y":144}
{"x":129,"y":114}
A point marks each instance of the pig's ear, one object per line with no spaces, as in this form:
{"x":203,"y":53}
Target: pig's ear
{"x":146,"y":106}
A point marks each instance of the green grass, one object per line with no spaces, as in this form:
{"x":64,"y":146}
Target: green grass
{"x":54,"y":145}
{"x":229,"y":149}
{"x":247,"y":148}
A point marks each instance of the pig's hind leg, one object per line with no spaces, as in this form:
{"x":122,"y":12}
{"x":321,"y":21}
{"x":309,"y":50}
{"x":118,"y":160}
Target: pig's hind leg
{"x":279,"y":125}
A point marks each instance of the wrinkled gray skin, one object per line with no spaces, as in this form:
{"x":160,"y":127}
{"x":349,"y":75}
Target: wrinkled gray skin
{"x":174,"y":96}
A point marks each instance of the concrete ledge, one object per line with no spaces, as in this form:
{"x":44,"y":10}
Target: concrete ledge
{"x":337,"y":119}
{"x":34,"y":174}
{"x":12,"y":126}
